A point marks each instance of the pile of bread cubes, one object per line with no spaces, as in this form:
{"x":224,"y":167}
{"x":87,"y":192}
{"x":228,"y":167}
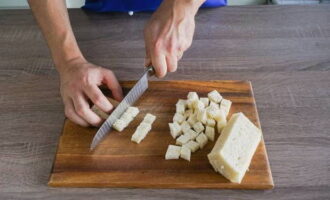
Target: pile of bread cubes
{"x":196,"y":121}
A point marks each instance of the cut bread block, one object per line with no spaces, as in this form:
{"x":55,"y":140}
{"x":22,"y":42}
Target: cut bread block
{"x":133,"y":111}
{"x":185,"y":126}
{"x":214,"y":96}
{"x":126,"y":118}
{"x":119,"y":125}
{"x":210,"y":122}
{"x":202,"y":116}
{"x":141,"y":132}
{"x":198,"y":127}
{"x":214,"y":105}
{"x":187,"y":113}
{"x":183,"y":139}
{"x":175,"y":129}
{"x":235,"y":147}
{"x":221,"y":123}
{"x":201,"y":140}
{"x":192,"y":119}
{"x":149,"y":118}
{"x":182,"y":102}
{"x":192,"y":96}
{"x":205,"y":101}
{"x":192,"y":145}
{"x":173,"y":152}
{"x":191,"y":134}
{"x":198,"y":105}
{"x":185,"y":153}
{"x":210,"y":133}
{"x":180,"y":108}
{"x":225,"y":106}
{"x":178,"y":118}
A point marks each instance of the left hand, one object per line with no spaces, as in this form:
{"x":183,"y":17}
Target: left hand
{"x":169,"y":34}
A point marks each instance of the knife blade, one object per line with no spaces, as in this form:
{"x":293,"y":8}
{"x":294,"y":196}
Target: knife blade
{"x":133,"y":95}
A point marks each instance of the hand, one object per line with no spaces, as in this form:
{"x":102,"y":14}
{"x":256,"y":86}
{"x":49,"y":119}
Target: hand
{"x":169,"y":33}
{"x":79,"y":82}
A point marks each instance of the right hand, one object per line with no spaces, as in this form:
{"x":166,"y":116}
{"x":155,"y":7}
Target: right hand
{"x":79,"y":82}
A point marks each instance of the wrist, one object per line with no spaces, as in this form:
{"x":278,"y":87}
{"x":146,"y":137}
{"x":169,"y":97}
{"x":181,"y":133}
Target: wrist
{"x":189,"y":5}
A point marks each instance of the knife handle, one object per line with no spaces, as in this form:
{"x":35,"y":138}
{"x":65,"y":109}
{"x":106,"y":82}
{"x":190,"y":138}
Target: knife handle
{"x":150,"y":70}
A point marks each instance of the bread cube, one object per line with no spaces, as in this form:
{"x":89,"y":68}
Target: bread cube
{"x":175,"y":129}
{"x":182,"y":102}
{"x":141,"y":132}
{"x":192,"y":145}
{"x":221,"y":124}
{"x":210,"y":122}
{"x":183,"y":139}
{"x":192,"y":96}
{"x":220,"y":115}
{"x":205,"y":101}
{"x":192,"y":119}
{"x":133,"y":111}
{"x":202,"y":116}
{"x":198,"y":105}
{"x":214,"y":105}
{"x":187,"y":113}
{"x":178,"y":118}
{"x":126,"y":117}
{"x":180,"y":108}
{"x":201,"y":140}
{"x":185,"y":126}
{"x":191,"y":134}
{"x":185,"y":153}
{"x":210,"y":133}
{"x":119,"y":125}
{"x":225,"y":106}
{"x":191,"y":102}
{"x":149,"y":118}
{"x":198,"y":127}
{"x":214,"y":96}
{"x":173,"y":152}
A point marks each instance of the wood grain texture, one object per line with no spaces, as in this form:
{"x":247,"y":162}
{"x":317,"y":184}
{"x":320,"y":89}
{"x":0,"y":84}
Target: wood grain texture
{"x":283,"y":50}
{"x":118,"y":162}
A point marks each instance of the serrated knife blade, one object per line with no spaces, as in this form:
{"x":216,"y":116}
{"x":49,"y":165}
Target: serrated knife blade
{"x":133,"y":95}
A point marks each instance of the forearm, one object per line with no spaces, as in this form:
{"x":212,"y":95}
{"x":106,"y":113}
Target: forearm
{"x":190,"y":6}
{"x":53,"y":20}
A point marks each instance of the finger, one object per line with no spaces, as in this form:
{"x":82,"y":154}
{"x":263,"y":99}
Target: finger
{"x":112,"y":83}
{"x":83,"y":110}
{"x":98,"y":98}
{"x":172,"y":63}
{"x":159,"y":63}
{"x":71,"y":114}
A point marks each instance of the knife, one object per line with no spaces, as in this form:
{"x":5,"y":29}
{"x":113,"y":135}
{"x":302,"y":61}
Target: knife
{"x":133,"y":95}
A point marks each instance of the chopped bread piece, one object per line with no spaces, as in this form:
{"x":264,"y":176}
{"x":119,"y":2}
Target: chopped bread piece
{"x":221,"y":124}
{"x":182,"y":102}
{"x":175,"y":129}
{"x":141,"y":132}
{"x":192,"y":145}
{"x":173,"y":152}
{"x":198,"y":127}
{"x":191,"y":134}
{"x":127,"y":117}
{"x":198,"y":105}
{"x":192,"y":119}
{"x":212,"y":112}
{"x":191,"y":102}
{"x":183,"y":139}
{"x":225,"y":106}
{"x":201,"y":140}
{"x":99,"y":112}
{"x":178,"y":118}
{"x":180,"y":108}
{"x":119,"y":125}
{"x":220,"y":115}
{"x":185,"y":126}
{"x":192,"y":96}
{"x":214,"y":96}
{"x":214,"y":105}
{"x":187,"y":113}
{"x":149,"y":118}
{"x":185,"y":153}
{"x":133,"y":111}
{"x":210,"y":122}
{"x":235,"y":147}
{"x":209,"y":132}
{"x":205,"y":101}
{"x":202,"y":116}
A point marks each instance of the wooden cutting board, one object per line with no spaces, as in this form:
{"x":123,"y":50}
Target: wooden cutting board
{"x":118,"y":162}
